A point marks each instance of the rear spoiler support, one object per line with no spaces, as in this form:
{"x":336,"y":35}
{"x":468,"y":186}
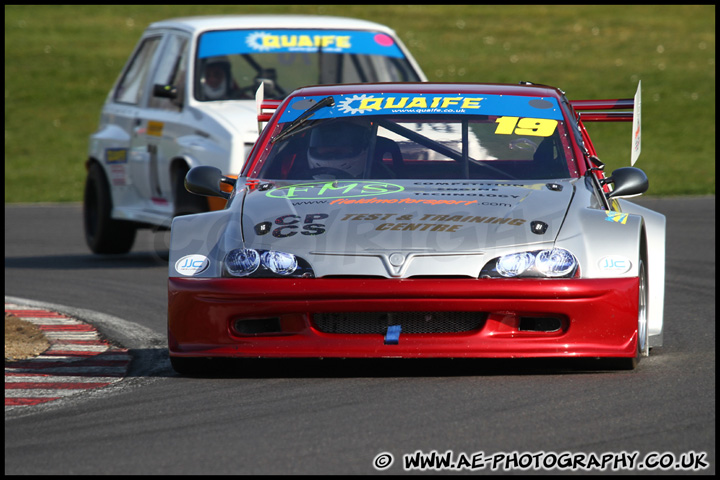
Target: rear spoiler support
{"x":597,"y":116}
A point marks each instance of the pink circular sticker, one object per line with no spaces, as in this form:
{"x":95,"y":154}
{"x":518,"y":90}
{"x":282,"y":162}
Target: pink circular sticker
{"x":383,"y":40}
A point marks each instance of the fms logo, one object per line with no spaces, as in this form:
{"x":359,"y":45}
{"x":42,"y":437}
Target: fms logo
{"x":334,"y":189}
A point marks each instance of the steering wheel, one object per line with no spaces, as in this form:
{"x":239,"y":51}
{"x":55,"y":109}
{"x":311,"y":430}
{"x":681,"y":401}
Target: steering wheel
{"x":336,"y":172}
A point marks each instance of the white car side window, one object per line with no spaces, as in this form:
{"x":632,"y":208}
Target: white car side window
{"x":171,"y":70}
{"x":131,"y":87}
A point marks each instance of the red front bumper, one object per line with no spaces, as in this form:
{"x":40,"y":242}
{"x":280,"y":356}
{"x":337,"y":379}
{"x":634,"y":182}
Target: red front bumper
{"x":597,"y":317}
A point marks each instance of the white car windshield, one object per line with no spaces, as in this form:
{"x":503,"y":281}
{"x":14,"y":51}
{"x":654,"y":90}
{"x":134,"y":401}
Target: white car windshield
{"x":231,"y":64}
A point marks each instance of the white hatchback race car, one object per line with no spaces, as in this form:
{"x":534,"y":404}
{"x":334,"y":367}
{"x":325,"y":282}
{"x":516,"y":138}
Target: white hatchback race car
{"x":187,"y":97}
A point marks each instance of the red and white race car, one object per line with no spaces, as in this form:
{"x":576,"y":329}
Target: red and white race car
{"x":421,"y":220}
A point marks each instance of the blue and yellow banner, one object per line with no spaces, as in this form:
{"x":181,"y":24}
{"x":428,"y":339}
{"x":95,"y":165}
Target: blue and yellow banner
{"x":232,"y":42}
{"x":426,"y":103}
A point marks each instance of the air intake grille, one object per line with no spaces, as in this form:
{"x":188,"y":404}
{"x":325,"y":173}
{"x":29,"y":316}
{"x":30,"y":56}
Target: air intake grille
{"x":411,"y":322}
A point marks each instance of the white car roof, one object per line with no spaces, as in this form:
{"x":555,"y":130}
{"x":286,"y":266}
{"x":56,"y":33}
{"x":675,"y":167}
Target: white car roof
{"x":224,"y":22}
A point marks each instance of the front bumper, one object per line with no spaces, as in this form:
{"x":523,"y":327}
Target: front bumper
{"x":244,"y":317}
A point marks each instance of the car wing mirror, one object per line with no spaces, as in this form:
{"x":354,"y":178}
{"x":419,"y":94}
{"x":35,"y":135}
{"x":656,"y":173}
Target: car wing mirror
{"x":165,"y":91}
{"x":627,"y":181}
{"x":205,"y":180}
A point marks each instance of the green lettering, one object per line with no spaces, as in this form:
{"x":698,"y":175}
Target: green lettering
{"x":329,"y":186}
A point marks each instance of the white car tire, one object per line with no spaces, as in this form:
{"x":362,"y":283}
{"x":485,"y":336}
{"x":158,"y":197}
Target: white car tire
{"x":103,"y":234}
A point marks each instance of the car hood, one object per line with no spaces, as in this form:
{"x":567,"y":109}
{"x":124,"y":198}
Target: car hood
{"x":401,"y":227}
{"x":235,"y":115}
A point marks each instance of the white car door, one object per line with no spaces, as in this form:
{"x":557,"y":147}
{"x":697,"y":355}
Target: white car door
{"x":132,"y":93}
{"x":113,"y":144}
{"x":160,"y":125}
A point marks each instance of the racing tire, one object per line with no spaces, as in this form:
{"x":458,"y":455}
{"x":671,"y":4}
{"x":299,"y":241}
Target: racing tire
{"x":186,"y":203}
{"x":103,"y":234}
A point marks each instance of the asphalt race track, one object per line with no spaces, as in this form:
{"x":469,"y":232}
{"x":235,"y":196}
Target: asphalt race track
{"x":337,"y":417}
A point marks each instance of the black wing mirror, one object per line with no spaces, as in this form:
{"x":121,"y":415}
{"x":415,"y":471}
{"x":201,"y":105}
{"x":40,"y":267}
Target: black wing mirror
{"x":165,"y":91}
{"x":205,"y":180}
{"x":627,"y":181}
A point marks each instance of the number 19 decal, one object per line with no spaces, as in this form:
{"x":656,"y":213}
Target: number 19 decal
{"x":539,"y":127}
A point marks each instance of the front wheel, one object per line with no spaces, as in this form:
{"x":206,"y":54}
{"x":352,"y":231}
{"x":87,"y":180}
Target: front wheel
{"x":103,"y":234}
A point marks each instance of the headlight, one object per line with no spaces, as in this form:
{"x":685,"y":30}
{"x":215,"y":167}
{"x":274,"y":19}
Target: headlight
{"x":555,"y":263}
{"x":244,"y":262}
{"x":280,"y":262}
{"x":514,"y":264}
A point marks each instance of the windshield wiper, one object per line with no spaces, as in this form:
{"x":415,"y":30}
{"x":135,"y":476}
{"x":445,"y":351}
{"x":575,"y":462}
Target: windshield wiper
{"x":298,"y":122}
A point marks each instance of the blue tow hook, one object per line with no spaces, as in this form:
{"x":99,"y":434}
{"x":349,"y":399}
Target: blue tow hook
{"x":392,"y":337}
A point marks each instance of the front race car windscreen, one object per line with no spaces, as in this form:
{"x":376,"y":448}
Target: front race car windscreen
{"x":420,"y":147}
{"x":285,"y":60}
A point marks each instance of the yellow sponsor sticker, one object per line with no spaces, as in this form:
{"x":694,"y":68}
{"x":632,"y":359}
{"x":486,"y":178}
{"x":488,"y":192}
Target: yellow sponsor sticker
{"x":155,"y":128}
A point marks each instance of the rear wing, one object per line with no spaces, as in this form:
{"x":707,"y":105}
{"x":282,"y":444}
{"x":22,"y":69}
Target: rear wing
{"x":588,"y":111}
{"x":584,"y":107}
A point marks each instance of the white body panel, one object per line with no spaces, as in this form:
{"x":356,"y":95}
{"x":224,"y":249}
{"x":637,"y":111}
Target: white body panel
{"x":139,"y":144}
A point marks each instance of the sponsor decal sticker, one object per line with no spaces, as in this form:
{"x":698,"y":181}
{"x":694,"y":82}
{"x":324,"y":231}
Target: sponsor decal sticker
{"x":615,"y":264}
{"x":190,"y":265}
{"x":116,"y":155}
{"x":363,"y":201}
{"x":233,"y":42}
{"x":289,"y":225}
{"x":118,"y":175}
{"x":616,"y":217}
{"x":520,"y":115}
{"x":413,"y":201}
{"x":406,"y":222}
{"x":155,"y":128}
{"x":333,"y":189}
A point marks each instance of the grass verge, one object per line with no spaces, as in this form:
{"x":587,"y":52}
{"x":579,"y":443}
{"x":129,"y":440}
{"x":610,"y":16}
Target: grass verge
{"x":60,"y":62}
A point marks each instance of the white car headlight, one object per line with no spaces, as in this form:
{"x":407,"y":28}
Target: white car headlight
{"x":244,"y":262}
{"x":554,"y":263}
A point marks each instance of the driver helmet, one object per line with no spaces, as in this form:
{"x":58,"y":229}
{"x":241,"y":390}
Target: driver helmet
{"x":341,"y":145}
{"x":216,"y":78}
